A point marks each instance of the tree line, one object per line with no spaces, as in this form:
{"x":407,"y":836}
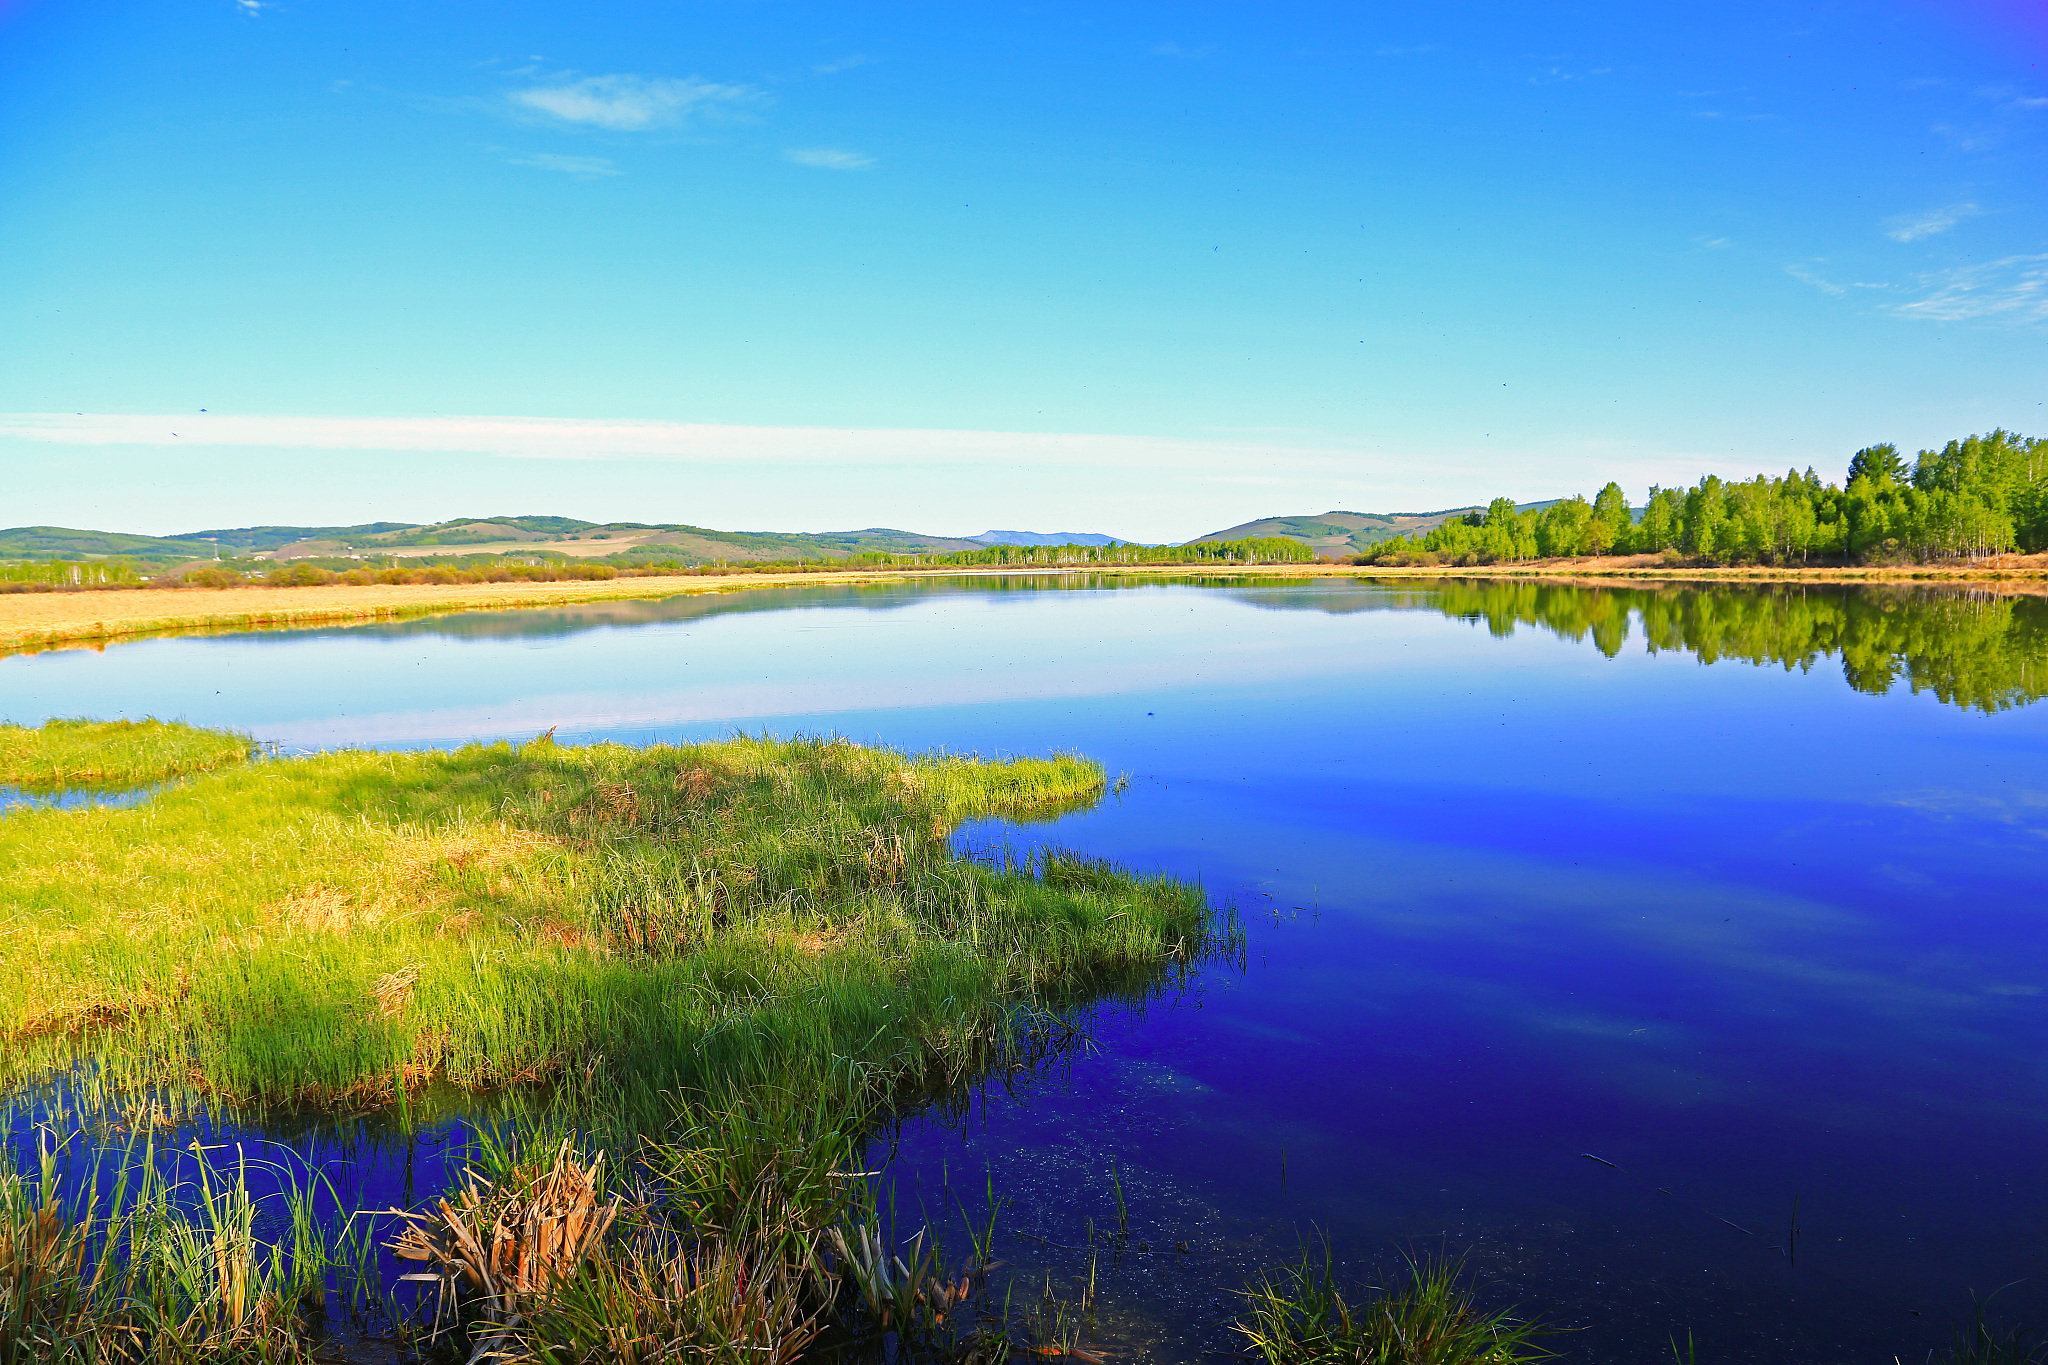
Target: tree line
{"x":1251,"y":550}
{"x":1978,"y":496}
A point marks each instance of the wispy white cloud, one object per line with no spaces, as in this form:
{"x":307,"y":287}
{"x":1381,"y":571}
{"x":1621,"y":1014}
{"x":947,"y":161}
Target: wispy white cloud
{"x":2011,"y":289}
{"x":252,"y":8}
{"x":1193,"y":54}
{"x":829,"y":158}
{"x":1803,"y":272}
{"x":1558,"y":75}
{"x":839,"y":64}
{"x":1714,"y":243}
{"x":587,"y":167}
{"x":2011,"y":98}
{"x":1975,"y":138}
{"x":629,"y":103}
{"x":1806,"y":276}
{"x":1911,"y":227}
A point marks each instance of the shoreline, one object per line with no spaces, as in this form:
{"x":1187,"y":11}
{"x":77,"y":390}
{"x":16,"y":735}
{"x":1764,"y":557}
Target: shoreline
{"x":32,"y":622}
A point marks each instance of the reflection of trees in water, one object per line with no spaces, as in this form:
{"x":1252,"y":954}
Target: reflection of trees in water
{"x":1969,"y":647}
{"x":1983,"y":650}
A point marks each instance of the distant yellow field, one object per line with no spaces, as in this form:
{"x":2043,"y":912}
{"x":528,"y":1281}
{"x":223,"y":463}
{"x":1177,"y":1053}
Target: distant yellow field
{"x":29,"y":620}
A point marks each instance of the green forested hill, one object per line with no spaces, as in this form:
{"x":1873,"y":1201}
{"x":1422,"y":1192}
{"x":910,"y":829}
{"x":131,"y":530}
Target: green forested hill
{"x":64,"y":543}
{"x":554,"y":536}
{"x":1340,"y":533}
{"x":1346,"y":533}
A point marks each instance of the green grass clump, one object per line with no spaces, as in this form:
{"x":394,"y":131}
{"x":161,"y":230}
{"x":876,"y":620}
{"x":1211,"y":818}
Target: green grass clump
{"x":112,"y":753}
{"x":725,"y":961}
{"x":700,"y":922}
{"x":1977,"y":1343}
{"x":1298,"y":1316}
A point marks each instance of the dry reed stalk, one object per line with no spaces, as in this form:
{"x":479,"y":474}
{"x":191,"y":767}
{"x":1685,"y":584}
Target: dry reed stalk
{"x":886,"y":856}
{"x":511,"y":1251}
{"x":394,"y":991}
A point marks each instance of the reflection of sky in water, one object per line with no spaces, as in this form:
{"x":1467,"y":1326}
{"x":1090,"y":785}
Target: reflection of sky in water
{"x":1743,"y":932}
{"x":14,"y":798}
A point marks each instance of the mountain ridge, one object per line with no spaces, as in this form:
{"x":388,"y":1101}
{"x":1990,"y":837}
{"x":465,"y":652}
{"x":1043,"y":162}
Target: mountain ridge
{"x":568,"y":537}
{"x":1337,"y":532}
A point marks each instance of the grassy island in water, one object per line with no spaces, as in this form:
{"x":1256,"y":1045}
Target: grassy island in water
{"x":717,"y":966}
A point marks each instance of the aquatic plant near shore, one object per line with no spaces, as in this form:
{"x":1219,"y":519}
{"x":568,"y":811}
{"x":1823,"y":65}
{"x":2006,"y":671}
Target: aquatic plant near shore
{"x":146,"y":1270}
{"x":1978,"y":1343}
{"x":1299,"y":1316}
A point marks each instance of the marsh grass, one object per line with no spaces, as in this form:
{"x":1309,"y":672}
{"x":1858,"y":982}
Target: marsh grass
{"x":61,"y":754}
{"x":1300,"y":1316}
{"x":128,"y":1265}
{"x":1978,"y":1343}
{"x":717,"y":969}
{"x":627,"y":924}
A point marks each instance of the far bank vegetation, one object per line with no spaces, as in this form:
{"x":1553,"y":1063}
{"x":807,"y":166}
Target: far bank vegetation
{"x":1974,"y":498}
{"x":61,"y":576}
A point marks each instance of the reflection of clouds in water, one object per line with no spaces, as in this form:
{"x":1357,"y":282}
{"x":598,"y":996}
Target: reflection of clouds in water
{"x":1768,"y":954}
{"x":2011,"y":806}
{"x":587,"y":714}
{"x":946,"y":662}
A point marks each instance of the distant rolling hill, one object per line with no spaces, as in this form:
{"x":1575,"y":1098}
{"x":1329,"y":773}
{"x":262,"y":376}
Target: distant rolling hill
{"x":498,"y":535}
{"x":62,"y":542}
{"x":1347,"y":533}
{"x":1045,"y":538}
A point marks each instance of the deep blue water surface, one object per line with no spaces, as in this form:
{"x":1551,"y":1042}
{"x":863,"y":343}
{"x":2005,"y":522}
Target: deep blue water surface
{"x":1741,"y":931}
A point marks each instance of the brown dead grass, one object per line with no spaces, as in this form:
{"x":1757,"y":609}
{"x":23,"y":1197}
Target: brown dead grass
{"x":75,"y":1016}
{"x":406,"y":879}
{"x":811,"y":943}
{"x":321,"y":909}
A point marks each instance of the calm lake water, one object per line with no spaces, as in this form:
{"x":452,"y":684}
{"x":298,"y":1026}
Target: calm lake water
{"x":1737,"y":890}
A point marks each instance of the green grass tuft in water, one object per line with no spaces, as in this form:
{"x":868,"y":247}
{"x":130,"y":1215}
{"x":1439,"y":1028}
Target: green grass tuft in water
{"x":1299,"y":1316}
{"x":62,"y":754}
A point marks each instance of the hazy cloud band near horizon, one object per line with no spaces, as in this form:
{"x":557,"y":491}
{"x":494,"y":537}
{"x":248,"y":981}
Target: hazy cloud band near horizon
{"x":555,"y":438}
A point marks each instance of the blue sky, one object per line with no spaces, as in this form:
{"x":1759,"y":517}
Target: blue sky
{"x":1151,"y":272}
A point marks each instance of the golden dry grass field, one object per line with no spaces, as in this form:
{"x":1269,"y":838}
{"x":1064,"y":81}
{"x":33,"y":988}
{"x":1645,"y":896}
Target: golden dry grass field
{"x":31,"y":620}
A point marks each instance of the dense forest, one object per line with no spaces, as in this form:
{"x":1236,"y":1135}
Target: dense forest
{"x":1981,"y":650}
{"x":1979,"y":496}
